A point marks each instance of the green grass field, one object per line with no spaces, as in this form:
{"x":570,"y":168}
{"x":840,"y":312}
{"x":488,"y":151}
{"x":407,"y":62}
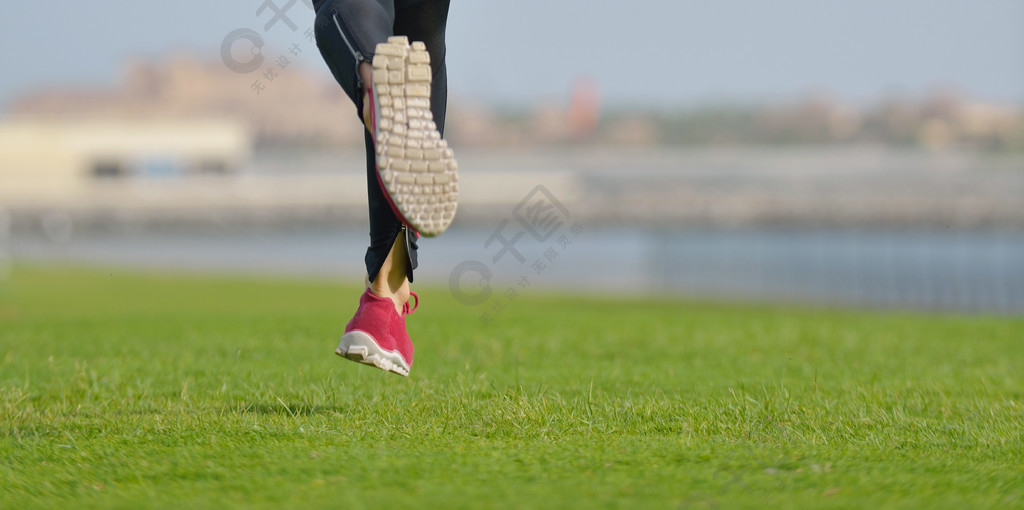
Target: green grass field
{"x":131,"y":390}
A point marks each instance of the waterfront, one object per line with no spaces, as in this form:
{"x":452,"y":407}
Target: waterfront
{"x":920,"y":269}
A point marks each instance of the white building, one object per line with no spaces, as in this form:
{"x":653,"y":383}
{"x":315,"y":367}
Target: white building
{"x":46,"y":162}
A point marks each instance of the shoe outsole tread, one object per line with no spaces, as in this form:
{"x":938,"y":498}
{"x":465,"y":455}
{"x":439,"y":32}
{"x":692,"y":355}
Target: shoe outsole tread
{"x":414,"y":165}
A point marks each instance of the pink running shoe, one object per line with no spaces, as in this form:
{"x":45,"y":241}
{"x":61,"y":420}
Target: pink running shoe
{"x":416,"y":169}
{"x":376,"y":335}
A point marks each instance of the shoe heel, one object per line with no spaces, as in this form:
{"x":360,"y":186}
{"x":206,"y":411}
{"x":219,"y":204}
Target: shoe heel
{"x":360,"y":347}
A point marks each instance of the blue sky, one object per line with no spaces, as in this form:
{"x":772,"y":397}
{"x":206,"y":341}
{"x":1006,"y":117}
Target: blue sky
{"x":651,"y":52}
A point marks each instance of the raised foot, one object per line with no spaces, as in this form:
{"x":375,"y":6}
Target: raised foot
{"x":415,"y":166}
{"x":362,"y":348}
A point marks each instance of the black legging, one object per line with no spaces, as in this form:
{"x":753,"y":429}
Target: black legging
{"x":347,"y":33}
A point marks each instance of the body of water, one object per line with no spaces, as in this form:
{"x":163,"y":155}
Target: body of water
{"x":941,"y":269}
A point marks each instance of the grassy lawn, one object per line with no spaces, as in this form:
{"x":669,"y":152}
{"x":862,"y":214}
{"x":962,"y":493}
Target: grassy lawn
{"x":134,"y":390}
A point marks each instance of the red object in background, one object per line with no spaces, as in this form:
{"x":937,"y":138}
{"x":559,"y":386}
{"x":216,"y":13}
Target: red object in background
{"x":584,"y":109}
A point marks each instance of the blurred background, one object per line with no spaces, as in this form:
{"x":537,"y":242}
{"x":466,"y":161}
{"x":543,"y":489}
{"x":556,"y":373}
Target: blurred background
{"x":864,"y":153}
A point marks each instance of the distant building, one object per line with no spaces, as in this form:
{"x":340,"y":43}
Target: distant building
{"x":297,"y":108}
{"x":53,"y":160}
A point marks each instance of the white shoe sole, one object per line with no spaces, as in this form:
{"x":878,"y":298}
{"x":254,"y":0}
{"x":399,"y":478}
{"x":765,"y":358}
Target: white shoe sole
{"x":414,"y":165}
{"x":362,"y":348}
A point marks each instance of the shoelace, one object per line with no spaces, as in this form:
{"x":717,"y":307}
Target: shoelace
{"x":406,"y":310}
